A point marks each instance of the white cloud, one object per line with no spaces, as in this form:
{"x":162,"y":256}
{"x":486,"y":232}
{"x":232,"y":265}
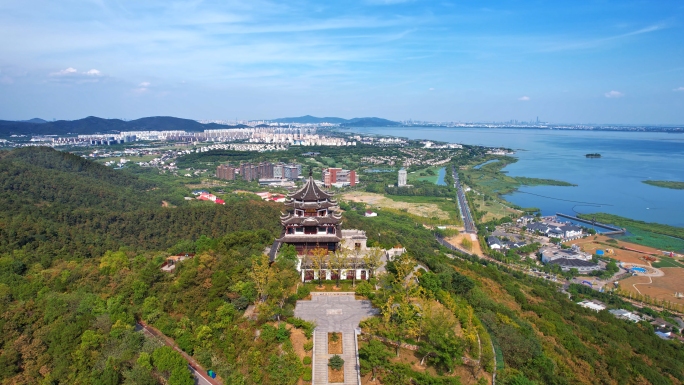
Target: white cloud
{"x":94,"y":72}
{"x":524,"y":98}
{"x":142,"y":87}
{"x":68,"y":71}
{"x":431,"y":89}
{"x":678,"y":89}
{"x":614,"y":94}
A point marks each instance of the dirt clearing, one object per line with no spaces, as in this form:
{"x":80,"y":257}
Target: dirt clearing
{"x":661,"y":288}
{"x":428,"y":210}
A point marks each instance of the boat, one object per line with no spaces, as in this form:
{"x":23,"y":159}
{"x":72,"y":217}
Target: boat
{"x":595,"y":155}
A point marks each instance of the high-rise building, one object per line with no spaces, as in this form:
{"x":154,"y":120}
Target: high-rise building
{"x":265,"y":170}
{"x":225,"y":171}
{"x":268,"y":170}
{"x":291,"y":171}
{"x":402,"y":177}
{"x":249,"y":172}
{"x":278,"y":171}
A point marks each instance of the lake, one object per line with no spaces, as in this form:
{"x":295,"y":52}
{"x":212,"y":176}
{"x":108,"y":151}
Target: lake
{"x":611,"y":184}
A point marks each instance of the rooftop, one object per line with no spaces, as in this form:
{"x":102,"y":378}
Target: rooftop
{"x":310,"y":192}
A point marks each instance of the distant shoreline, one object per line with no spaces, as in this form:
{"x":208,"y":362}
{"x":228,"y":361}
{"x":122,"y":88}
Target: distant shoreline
{"x":668,"y":129}
{"x":665,"y":184}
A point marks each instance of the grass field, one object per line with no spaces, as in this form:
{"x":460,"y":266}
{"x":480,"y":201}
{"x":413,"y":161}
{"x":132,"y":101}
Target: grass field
{"x":448,"y":205}
{"x":667,"y":262}
{"x":659,"y":241}
{"x":438,"y":210}
{"x":415,"y":176}
{"x":494,"y":209}
{"x":662,"y":237}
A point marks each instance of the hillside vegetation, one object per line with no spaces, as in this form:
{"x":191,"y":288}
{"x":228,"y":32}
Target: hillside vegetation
{"x":80,"y":253}
{"x":57,"y":205}
{"x":540,"y":334}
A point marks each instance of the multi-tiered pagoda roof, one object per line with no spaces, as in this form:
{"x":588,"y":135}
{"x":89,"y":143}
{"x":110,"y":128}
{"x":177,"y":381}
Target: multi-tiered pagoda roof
{"x":313,"y":220}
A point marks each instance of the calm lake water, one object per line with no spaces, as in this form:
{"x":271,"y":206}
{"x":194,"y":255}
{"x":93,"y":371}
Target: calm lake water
{"x":611,"y":184}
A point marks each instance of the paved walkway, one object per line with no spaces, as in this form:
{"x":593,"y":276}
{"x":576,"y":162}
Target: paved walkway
{"x":335,"y":312}
{"x":195,"y":368}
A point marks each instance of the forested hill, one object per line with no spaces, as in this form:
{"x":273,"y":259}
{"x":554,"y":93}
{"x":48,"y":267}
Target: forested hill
{"x":58,"y":205}
{"x":95,"y":125}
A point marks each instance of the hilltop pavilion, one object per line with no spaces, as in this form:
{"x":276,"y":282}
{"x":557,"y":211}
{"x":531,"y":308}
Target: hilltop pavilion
{"x":313,"y":222}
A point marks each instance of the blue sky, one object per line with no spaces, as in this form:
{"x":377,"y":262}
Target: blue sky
{"x":564,"y":61}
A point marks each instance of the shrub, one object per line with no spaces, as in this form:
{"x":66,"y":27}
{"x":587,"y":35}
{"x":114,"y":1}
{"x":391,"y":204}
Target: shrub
{"x":306,"y":376}
{"x":307,"y":360}
{"x":271,"y":334}
{"x":365,"y":289}
{"x":306,"y":326}
{"x":336,"y":362}
{"x":303,"y":291}
{"x":308,"y":346}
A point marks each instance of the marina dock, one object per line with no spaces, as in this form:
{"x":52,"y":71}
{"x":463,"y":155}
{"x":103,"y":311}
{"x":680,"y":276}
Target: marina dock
{"x":613,"y":230}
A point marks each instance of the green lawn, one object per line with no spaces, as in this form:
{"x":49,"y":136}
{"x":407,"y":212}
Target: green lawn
{"x":414,"y":177}
{"x":659,"y":236}
{"x":448,"y":205}
{"x":667,"y":262}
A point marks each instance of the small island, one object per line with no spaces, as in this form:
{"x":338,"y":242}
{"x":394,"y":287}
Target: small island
{"x":665,"y":184}
{"x":595,"y":155}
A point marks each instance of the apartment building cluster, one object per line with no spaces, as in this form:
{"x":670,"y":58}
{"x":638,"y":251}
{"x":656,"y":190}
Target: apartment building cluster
{"x":264,"y":171}
{"x":337,"y":177}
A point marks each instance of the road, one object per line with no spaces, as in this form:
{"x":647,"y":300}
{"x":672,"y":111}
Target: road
{"x":468,"y":222}
{"x":201,"y":378}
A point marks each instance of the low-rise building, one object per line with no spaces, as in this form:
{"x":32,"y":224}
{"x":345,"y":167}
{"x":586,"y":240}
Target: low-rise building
{"x":527,"y":219}
{"x":567,"y":264}
{"x":624,"y":314}
{"x":338,"y":177}
{"x":593,"y":304}
{"x":170,"y":264}
{"x":494,"y":243}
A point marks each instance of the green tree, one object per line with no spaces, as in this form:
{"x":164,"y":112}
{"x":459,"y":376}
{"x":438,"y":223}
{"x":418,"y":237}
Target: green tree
{"x":112,"y":262}
{"x":338,"y":261}
{"x":372,"y":259}
{"x":287,"y":256}
{"x":336,"y":362}
{"x":262,"y":275}
{"x":181,"y":376}
{"x":374,"y":356}
{"x":319,"y":259}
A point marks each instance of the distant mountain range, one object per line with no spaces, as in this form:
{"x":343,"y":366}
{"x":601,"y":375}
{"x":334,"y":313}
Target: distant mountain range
{"x":95,"y":125}
{"x":355,"y":122}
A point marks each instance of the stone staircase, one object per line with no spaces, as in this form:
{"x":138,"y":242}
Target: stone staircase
{"x":350,"y":356}
{"x":321,"y":356}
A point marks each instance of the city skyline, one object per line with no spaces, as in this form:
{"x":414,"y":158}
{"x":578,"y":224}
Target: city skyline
{"x":600,"y":62}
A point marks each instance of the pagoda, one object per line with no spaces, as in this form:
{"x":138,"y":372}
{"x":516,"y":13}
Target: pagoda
{"x":312,"y":220}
